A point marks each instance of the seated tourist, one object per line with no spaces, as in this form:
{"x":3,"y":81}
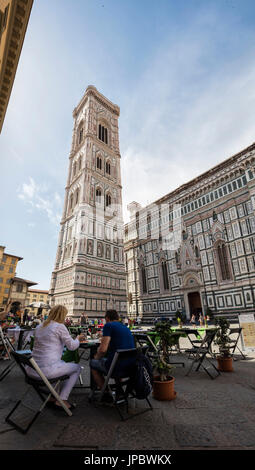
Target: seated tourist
{"x":37,"y":320}
{"x":49,"y":341}
{"x":115,"y":336}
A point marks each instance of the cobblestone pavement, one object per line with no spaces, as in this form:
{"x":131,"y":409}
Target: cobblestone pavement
{"x":206,"y":414}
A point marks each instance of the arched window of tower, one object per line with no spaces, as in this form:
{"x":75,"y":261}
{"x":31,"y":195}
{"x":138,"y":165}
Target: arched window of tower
{"x":108,"y":168}
{"x":74,"y":169}
{"x":103,"y":133}
{"x":98,"y":195}
{"x":108,"y":200}
{"x":80,"y":133}
{"x":99,"y":163}
{"x":77,"y":196}
{"x":71,"y":202}
{"x":79,"y":164}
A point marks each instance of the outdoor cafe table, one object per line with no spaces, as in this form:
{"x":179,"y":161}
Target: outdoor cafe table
{"x":153,"y":336}
{"x":177,"y":331}
{"x":198,"y":331}
{"x":92,"y":345}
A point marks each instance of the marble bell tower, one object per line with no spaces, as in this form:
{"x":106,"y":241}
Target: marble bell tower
{"x":89,"y":273}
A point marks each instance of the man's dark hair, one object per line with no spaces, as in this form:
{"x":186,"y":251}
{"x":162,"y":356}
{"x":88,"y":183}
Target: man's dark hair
{"x":112,"y":315}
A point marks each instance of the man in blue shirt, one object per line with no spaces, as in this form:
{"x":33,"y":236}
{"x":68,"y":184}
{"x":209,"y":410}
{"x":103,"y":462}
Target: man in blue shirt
{"x":115,"y":336}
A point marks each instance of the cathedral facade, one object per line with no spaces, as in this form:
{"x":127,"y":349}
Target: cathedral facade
{"x":194,"y":249}
{"x":89,"y":273}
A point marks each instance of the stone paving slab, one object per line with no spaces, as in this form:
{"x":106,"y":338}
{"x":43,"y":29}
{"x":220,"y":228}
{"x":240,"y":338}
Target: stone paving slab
{"x":41,"y":436}
{"x":209,"y":417}
{"x":5,"y":407}
{"x":191,"y":400}
{"x":84,"y":436}
{"x":194,"y":436}
{"x":234,"y":435}
{"x":139,"y":437}
{"x":147,"y":417}
{"x":4,"y":427}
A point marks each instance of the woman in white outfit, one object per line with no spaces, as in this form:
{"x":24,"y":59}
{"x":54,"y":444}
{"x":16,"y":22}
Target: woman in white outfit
{"x":49,"y":341}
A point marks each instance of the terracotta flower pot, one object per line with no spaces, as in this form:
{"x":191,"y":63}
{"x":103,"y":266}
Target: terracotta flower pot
{"x":163,"y":390}
{"x":225,"y":364}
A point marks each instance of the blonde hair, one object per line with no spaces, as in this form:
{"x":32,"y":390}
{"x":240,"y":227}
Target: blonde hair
{"x":57,"y":313}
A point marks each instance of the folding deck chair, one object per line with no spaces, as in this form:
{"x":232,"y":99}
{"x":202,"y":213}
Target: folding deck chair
{"x":7,"y":347}
{"x":153,"y":351}
{"x":194,"y":338}
{"x":233,"y":344}
{"x":45,"y":388}
{"x":143,"y":340}
{"x":122,"y":388}
{"x":199,"y":354}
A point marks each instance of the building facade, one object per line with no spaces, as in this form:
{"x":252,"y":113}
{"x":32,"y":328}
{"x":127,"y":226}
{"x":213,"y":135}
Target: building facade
{"x":194,"y":249}
{"x":89,"y":273}
{"x":18,"y":291}
{"x":14,"y":17}
{"x":36,"y":295}
{"x":8,"y":266}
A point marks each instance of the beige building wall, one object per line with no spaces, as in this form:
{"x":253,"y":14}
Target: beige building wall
{"x":2,"y":248}
{"x":18,"y":290}
{"x":14,"y":17}
{"x":8,"y":266}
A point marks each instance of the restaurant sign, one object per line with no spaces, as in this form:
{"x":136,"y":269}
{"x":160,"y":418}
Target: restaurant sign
{"x":247,"y":322}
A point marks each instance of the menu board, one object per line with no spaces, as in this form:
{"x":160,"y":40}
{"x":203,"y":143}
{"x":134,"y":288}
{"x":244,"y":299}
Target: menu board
{"x":247,"y":322}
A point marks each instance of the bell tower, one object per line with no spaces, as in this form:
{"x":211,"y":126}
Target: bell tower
{"x":89,"y":273}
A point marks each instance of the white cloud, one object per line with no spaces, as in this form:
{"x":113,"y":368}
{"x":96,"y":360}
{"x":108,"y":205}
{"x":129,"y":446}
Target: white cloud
{"x":28,"y":191}
{"x":180,"y":120}
{"x":34,"y":194}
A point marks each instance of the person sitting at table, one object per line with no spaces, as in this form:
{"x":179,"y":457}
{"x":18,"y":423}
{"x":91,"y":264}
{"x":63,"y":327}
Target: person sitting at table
{"x":49,"y":341}
{"x":38,"y":320}
{"x":115,"y":336}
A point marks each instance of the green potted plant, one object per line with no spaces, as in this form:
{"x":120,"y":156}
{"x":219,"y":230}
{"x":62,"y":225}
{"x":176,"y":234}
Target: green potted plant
{"x":222,"y":339}
{"x":179,"y":318}
{"x":163,"y":384}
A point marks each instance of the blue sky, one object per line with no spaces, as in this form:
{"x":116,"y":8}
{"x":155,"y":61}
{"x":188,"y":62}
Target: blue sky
{"x":183,"y":74}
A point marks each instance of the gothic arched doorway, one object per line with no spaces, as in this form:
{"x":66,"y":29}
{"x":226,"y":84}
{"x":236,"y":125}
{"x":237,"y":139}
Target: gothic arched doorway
{"x":195,"y":305}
